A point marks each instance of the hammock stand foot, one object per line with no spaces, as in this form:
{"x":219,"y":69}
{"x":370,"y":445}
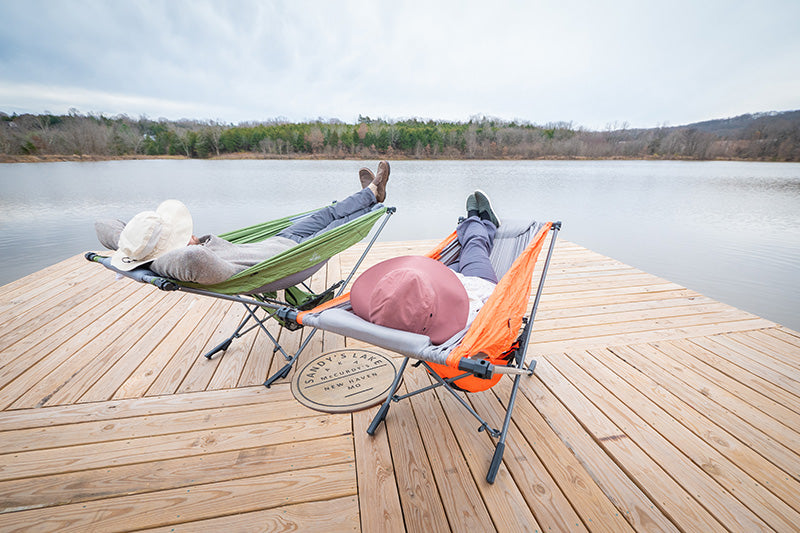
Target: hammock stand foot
{"x":501,"y":435}
{"x":221,"y":347}
{"x":497,"y":458}
{"x":381,"y":416}
{"x":280,"y":374}
{"x":290,"y":361}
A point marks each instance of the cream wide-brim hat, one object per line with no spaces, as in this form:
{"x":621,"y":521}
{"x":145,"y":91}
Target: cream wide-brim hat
{"x":151,"y":234}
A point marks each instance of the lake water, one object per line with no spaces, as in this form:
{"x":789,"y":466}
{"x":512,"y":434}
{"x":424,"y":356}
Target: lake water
{"x":729,"y":230}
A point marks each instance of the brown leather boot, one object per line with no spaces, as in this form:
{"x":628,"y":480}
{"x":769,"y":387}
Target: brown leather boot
{"x":380,"y":180}
{"x":366,"y":177}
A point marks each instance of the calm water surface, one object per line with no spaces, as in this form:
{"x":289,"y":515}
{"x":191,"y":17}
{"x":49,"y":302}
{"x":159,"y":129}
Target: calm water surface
{"x":728,"y":230}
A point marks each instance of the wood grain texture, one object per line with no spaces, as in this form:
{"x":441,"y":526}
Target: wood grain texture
{"x":652,"y":408}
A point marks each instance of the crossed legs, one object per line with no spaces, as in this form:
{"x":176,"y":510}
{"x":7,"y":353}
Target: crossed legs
{"x":476,"y":238}
{"x":352,"y":207}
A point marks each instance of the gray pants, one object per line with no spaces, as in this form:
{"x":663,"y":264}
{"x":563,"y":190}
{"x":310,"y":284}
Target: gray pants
{"x":329,"y":217}
{"x":476,"y":238}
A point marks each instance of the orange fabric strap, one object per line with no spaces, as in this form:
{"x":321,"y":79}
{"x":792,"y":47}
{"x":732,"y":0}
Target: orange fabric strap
{"x":498,"y":322}
{"x":321,"y":307}
{"x":436,"y":253}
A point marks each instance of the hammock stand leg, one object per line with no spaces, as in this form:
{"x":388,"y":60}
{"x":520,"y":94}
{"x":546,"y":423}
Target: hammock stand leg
{"x":501,"y":435}
{"x":284,"y":372}
{"x":381,"y":416}
{"x":440,"y":382}
{"x":520,"y":357}
{"x":221,"y":347}
{"x":260,"y":323}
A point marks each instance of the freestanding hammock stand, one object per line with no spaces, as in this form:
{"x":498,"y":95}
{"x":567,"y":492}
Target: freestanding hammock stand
{"x":450,"y":384}
{"x":475,"y":359}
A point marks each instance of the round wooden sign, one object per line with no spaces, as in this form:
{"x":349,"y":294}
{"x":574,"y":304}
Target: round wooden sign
{"x":344,"y":381}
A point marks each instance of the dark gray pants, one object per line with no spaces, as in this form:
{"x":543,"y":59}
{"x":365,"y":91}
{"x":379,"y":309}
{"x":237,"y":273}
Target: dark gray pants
{"x":331,"y":216}
{"x":476,"y":238}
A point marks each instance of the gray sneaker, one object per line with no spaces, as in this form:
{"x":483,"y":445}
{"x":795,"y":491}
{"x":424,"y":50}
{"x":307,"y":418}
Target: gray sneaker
{"x":472,"y":203}
{"x":485,"y":210}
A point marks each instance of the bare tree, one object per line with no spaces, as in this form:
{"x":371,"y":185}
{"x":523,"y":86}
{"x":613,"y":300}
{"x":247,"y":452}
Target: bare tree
{"x":214,"y":132}
{"x":316,"y":138}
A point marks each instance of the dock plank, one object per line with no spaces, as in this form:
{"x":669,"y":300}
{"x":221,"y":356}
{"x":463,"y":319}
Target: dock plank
{"x":450,"y":470}
{"x":782,"y":355}
{"x":150,"y":448}
{"x":316,"y":517}
{"x":175,"y":506}
{"x":144,"y":335}
{"x":259,"y":360}
{"x":725,"y":436}
{"x":758,"y":363}
{"x":64,"y":415}
{"x":36,"y":289}
{"x":190,"y":353}
{"x":26,"y":389}
{"x":504,"y":500}
{"x":203,"y":370}
{"x":134,"y":378}
{"x":423,"y":510}
{"x":763,"y":424}
{"x":22,"y":354}
{"x":153,"y":476}
{"x":550,"y":507}
{"x":21,"y":324}
{"x":151,"y":425}
{"x":378,"y":496}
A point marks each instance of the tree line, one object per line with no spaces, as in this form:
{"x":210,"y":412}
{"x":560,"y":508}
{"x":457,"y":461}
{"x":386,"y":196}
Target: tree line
{"x":763,"y":137}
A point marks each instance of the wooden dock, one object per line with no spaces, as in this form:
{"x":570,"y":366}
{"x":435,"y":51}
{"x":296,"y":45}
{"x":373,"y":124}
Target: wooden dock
{"x":653,"y":408}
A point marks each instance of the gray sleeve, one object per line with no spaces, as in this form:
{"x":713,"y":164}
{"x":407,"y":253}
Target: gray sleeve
{"x":108,"y":231}
{"x":194,"y":263}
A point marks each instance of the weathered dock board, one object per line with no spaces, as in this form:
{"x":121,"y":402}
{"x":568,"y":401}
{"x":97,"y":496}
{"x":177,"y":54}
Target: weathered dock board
{"x":653,"y":408}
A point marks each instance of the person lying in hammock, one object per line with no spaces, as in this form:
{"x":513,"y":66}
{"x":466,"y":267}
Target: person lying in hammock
{"x":164,"y":237}
{"x":421,"y":295}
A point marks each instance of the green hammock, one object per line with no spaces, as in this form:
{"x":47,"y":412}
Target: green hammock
{"x":296,"y":259}
{"x":282,"y":271}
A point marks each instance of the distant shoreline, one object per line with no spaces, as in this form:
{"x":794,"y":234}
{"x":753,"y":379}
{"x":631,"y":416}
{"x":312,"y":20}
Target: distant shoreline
{"x":43,"y":138}
{"x":56,"y":158}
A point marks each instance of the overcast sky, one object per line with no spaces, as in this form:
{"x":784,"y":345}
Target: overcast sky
{"x":594,"y":63}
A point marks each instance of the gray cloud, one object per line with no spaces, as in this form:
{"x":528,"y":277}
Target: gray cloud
{"x":592,"y":63}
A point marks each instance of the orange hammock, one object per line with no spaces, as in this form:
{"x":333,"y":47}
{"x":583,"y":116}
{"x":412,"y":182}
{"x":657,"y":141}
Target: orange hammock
{"x":494,"y":331}
{"x":474,"y":360}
